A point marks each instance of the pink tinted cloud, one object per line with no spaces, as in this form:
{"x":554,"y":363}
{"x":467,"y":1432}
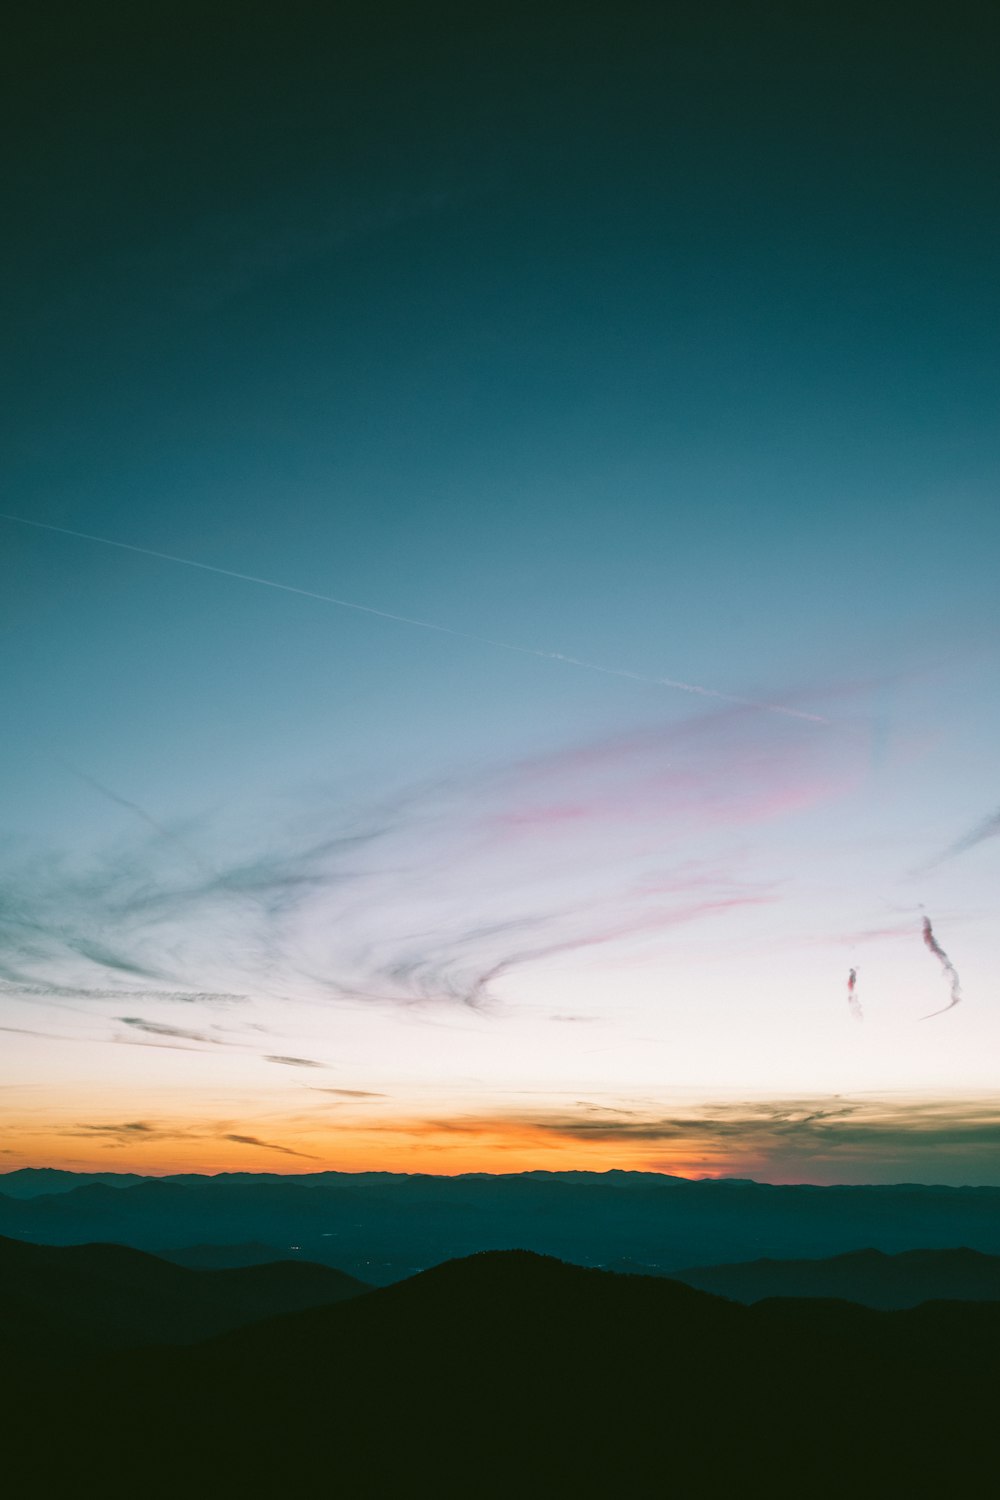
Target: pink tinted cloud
{"x":574,"y":851}
{"x":723,"y":769}
{"x":849,"y":939}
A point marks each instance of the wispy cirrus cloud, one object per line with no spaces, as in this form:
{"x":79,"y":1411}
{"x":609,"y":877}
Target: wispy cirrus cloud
{"x":829,"y":1138}
{"x":40,"y":991}
{"x":133,"y":1133}
{"x":125,"y":1133}
{"x":989,"y":828}
{"x":292,"y":1062}
{"x":951,"y":973}
{"x":441,"y":894}
{"x":253,"y":1140}
{"x":159,"y":1029}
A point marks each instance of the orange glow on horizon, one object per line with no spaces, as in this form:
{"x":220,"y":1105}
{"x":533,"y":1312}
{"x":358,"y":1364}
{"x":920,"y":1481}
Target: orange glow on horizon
{"x":805,"y":1140}
{"x":441,"y":1148}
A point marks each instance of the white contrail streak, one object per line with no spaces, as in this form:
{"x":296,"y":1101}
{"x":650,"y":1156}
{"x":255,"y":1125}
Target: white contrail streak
{"x":384,"y":614}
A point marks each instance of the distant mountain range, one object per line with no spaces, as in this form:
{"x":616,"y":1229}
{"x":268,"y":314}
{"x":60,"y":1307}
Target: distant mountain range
{"x":511,"y":1374}
{"x":865,"y":1276}
{"x":382,"y":1227}
{"x":35,"y":1182}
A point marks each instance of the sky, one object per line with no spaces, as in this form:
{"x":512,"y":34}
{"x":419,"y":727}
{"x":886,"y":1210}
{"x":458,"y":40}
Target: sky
{"x":499,"y":590}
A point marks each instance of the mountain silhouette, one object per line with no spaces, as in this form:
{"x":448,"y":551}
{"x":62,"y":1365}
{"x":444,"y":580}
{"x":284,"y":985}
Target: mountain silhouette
{"x":511,"y":1374}
{"x":382,"y":1227}
{"x":865,"y":1276}
{"x":76,"y":1300}
{"x":35,"y":1182}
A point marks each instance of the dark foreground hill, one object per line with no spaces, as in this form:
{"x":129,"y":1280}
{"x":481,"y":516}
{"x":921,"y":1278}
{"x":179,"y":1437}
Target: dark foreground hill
{"x":510,"y":1374}
{"x":865,"y":1276}
{"x":60,"y":1302}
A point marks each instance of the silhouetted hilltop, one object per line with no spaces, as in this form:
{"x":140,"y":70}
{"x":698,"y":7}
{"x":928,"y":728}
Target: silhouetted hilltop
{"x":865,"y":1276}
{"x":33,"y":1182}
{"x":511,"y":1374}
{"x":383,"y":1227}
{"x":79,"y":1299}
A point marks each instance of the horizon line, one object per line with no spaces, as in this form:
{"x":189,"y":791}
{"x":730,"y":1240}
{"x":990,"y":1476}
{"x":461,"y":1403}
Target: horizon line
{"x":526,"y":1172}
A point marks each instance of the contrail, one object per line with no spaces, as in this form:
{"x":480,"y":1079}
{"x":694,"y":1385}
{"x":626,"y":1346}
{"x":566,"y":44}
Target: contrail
{"x":948,"y":967}
{"x":465,"y":635}
{"x":854,"y":1004}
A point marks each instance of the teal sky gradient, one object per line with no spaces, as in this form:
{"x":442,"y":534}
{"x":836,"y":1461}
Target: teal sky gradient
{"x":662,"y":340}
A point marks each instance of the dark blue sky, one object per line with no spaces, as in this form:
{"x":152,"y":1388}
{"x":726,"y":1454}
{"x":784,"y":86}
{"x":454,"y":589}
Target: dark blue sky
{"x":660,"y":336}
